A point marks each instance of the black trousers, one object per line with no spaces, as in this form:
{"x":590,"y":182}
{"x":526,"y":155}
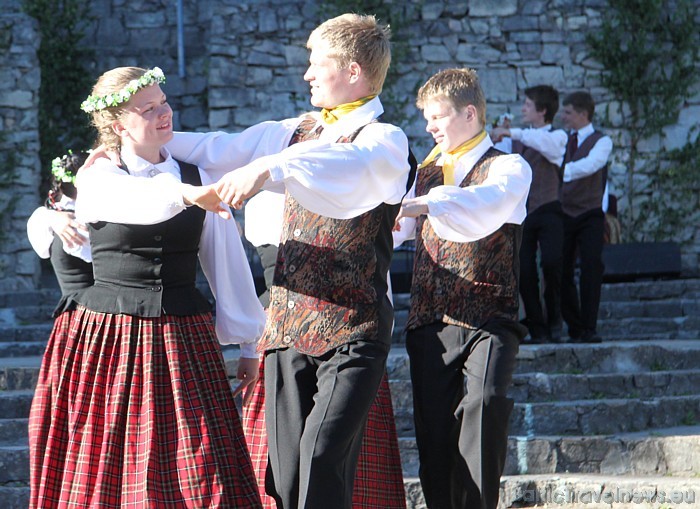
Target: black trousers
{"x":544,"y":228}
{"x":583,"y":238}
{"x":316,"y":409}
{"x":462,"y":435}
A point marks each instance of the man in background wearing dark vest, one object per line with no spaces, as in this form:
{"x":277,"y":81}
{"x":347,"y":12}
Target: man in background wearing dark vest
{"x":543,"y":147}
{"x":585,"y":177}
{"x":466,"y":214}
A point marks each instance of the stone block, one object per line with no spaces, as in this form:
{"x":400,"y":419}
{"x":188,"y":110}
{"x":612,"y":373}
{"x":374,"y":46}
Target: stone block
{"x":432,"y":11}
{"x":435,"y":53}
{"x":487,"y":8}
{"x":500,"y":84}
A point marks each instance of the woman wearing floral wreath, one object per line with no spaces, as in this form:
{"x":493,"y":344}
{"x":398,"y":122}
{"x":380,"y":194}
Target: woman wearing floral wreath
{"x":150,"y":416}
{"x":55,"y":234}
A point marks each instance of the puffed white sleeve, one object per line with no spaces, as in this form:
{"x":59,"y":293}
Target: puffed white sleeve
{"x":240,"y":318}
{"x":39,"y":231}
{"x":218,"y":153}
{"x":344,"y":180}
{"x":108,"y":193}
{"x":466,"y":214}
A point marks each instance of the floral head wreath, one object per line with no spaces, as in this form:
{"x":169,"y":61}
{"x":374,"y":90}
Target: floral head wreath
{"x":59,"y":168}
{"x":97,"y":102}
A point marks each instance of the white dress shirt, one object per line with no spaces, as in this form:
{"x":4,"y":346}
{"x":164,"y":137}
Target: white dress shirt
{"x":467,"y":214}
{"x":594,"y":161}
{"x":143,"y":196}
{"x":337,"y":180}
{"x":551,"y":143}
{"x":41,"y":234}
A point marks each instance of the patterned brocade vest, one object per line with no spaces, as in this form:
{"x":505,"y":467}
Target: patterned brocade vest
{"x":329,"y":286}
{"x":463,"y":283}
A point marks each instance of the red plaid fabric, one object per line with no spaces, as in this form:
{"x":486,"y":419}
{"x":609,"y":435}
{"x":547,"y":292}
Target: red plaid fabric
{"x":133,"y":412}
{"x":379,"y":478}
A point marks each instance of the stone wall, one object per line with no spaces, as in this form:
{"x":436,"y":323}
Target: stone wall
{"x":244,"y":62}
{"x":19,"y":145}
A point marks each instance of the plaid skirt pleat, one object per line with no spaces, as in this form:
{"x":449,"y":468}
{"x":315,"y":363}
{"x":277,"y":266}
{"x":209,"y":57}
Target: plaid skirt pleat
{"x":147,"y":419}
{"x":379,"y":477}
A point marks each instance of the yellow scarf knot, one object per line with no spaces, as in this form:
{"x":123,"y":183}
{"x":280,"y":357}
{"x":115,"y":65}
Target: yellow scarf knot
{"x":449,"y":159}
{"x":333,"y":115}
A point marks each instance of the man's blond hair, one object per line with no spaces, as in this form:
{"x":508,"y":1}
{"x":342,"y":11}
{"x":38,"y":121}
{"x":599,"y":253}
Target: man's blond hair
{"x":460,"y":87}
{"x":357,"y":38}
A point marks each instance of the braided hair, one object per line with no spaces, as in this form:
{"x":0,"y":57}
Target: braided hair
{"x":63,"y":172}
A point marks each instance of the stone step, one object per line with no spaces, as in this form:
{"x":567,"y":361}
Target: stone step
{"x":13,"y":431}
{"x":610,"y":357}
{"x":14,"y":496}
{"x":545,"y":387}
{"x":585,"y":417}
{"x":23,"y":348}
{"x":41,"y":297}
{"x":669,"y":451}
{"x":17,"y":373}
{"x":579,"y":491}
{"x":15,"y":404}
{"x":540,"y":387}
{"x":651,"y":290}
{"x":38,"y":332}
{"x":23,"y":315}
{"x":671,"y":307}
{"x":14,"y":460}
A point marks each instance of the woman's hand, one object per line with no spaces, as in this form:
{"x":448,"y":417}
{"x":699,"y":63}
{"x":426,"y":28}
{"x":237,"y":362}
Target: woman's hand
{"x":67,"y":228}
{"x":205,"y":197}
{"x":247,"y":374}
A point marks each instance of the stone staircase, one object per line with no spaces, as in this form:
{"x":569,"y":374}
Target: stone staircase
{"x":615,"y":424}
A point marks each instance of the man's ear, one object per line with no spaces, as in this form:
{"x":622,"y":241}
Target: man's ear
{"x":355,"y":71}
{"x":470,"y":113}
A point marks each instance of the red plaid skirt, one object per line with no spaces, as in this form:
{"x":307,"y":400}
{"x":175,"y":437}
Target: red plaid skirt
{"x":136,"y":412}
{"x":379,"y":477}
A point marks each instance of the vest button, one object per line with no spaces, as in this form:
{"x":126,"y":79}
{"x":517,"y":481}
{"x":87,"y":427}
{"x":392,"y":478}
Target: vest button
{"x":156,"y":288}
{"x":292,"y":268}
{"x":297,"y":232}
{"x":291,"y":304}
{"x":157,"y":260}
{"x":287,"y":340}
{"x":158,"y":238}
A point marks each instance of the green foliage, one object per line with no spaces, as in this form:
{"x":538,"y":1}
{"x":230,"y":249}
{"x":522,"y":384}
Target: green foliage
{"x":65,"y":83}
{"x":649,"y":49}
{"x":675,"y":194}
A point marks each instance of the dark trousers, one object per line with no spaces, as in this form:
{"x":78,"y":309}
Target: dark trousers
{"x":544,"y":228}
{"x":583,"y":236}
{"x":462,"y":436}
{"x":316,"y":409}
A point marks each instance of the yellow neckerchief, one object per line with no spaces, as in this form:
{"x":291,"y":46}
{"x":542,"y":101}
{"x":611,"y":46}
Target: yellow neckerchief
{"x":449,"y":159}
{"x":333,"y":115}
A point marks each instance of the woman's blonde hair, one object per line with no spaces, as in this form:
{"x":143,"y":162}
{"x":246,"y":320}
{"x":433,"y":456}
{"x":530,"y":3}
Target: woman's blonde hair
{"x":109,"y":83}
{"x":357,"y":38}
{"x":460,"y":87}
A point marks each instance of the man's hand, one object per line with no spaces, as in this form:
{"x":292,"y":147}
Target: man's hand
{"x":247,"y":374}
{"x":98,"y":152}
{"x":410,"y":207}
{"x":498,"y":133}
{"x":205,"y":197}
{"x":237,"y":186}
{"x":67,"y":228}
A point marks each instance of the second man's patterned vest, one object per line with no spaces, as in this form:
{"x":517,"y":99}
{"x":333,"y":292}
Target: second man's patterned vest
{"x":463,"y":283}
{"x":330,"y":285}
